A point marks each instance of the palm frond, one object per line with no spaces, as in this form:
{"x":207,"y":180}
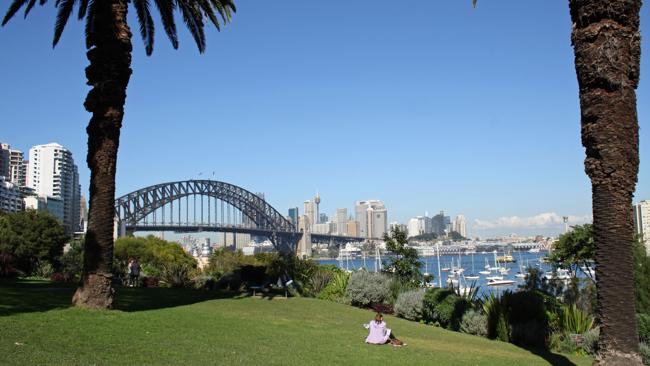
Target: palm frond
{"x":90,"y":20}
{"x":83,"y":7}
{"x":65,"y":9}
{"x":29,"y":7}
{"x":146,"y":24}
{"x":13,"y":9}
{"x":166,"y":10}
{"x":193,"y":19}
{"x":206,"y":6}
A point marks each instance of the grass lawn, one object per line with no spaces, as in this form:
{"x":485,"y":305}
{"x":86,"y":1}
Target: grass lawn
{"x":192,"y":327}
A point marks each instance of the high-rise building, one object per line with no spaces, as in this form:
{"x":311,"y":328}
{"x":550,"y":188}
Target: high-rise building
{"x":293,"y":216}
{"x":641,"y":215}
{"x":322,"y":218}
{"x":11,"y":198}
{"x":310,"y":213}
{"x":53,"y":173}
{"x":352,"y":228}
{"x":441,"y":224}
{"x":12,"y":165}
{"x":83,"y":214}
{"x":311,"y":210}
{"x":372,"y":217}
{"x":416,"y":226}
{"x":4,"y":160}
{"x":460,"y":225}
{"x":341,"y":221}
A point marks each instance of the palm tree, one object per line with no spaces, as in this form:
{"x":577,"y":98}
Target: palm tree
{"x":108,"y":41}
{"x":607,"y":49}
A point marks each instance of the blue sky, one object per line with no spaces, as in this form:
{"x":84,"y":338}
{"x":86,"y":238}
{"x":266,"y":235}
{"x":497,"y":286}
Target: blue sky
{"x":427,"y":106}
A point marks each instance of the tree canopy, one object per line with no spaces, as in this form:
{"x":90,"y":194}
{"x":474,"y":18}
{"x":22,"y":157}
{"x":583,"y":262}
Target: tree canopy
{"x":405,"y":263}
{"x":31,"y":238}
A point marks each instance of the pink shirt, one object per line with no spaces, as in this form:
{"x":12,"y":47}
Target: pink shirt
{"x":377,"y":333}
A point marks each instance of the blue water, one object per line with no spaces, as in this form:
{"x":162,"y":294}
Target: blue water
{"x":431,"y":266}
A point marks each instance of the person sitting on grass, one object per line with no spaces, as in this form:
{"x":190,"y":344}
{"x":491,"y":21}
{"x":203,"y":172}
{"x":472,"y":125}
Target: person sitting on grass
{"x":379,"y":334}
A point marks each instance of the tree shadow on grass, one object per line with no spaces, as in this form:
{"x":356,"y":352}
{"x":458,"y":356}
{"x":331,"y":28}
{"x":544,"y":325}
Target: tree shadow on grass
{"x":25,"y":296}
{"x":550,"y":357}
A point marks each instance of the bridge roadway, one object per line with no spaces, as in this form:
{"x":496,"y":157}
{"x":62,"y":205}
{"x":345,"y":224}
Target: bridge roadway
{"x":243,"y":229}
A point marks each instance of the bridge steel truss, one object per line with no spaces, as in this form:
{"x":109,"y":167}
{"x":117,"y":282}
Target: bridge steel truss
{"x":132,"y":208}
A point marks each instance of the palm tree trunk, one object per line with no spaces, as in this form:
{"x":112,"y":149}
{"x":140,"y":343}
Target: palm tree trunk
{"x":108,"y":74}
{"x":607,"y":50}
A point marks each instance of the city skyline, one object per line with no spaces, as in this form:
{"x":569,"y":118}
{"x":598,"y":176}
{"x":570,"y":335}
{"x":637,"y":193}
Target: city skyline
{"x":496,"y":140}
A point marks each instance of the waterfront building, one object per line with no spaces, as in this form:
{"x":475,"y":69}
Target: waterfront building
{"x":460,"y":225}
{"x":53,"y":173}
{"x":293,"y":216}
{"x":641,"y":215}
{"x":397,"y":225}
{"x":11,"y":197}
{"x":4,"y":160}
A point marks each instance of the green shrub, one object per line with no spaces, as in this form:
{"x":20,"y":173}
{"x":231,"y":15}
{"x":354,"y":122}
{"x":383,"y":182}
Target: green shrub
{"x":409,"y":304}
{"x":590,"y":341}
{"x":43,"y":269}
{"x":643,"y":321}
{"x":644,"y":350}
{"x":561,"y":342}
{"x":574,"y":320}
{"x":71,"y":263}
{"x":365,"y":288}
{"x":397,"y":287}
{"x":444,"y":308}
{"x":336,"y":288}
{"x":502,"y":328}
{"x":475,"y":323}
{"x":321,"y":278}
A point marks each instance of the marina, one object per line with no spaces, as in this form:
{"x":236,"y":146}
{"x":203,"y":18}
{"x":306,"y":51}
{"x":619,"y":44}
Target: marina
{"x":484,"y":270}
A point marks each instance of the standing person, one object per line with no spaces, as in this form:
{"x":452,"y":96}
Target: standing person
{"x":378,"y":333}
{"x":134,"y":272}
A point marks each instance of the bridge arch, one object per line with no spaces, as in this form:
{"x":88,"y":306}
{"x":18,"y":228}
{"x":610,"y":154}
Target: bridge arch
{"x":132,"y":208}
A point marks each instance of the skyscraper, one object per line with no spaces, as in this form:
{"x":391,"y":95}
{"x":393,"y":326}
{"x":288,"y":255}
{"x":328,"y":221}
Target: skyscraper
{"x":311,"y":210}
{"x":372,"y":217}
{"x":341,"y":221}
{"x":293,"y":216}
{"x":12,"y":165}
{"x":460,"y":225}
{"x":641,"y":215}
{"x":53,"y":173}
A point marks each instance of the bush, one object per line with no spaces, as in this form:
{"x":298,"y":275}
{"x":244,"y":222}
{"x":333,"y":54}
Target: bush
{"x":43,"y":269}
{"x":365,"y":288}
{"x":7,"y":268}
{"x":321,"y":278}
{"x":150,"y":281}
{"x":643,"y":321}
{"x":336,"y":288}
{"x":444,"y":308}
{"x":71,"y":263}
{"x":475,"y":323}
{"x":561,"y":342}
{"x":409,"y":304}
{"x":644,"y":350}
{"x":590,"y":341}
{"x":574,"y":320}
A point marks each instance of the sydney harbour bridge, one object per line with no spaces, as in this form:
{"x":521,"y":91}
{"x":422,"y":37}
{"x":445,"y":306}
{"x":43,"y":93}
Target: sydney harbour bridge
{"x":213,"y":206}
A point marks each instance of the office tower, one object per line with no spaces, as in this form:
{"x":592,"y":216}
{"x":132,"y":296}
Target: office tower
{"x":83,"y":214}
{"x":352,"y":228}
{"x":53,"y":173}
{"x":341,"y":221}
{"x":322,"y":218}
{"x":641,"y":215}
{"x":372,"y":217}
{"x":416,"y":226}
{"x":460,"y":225}
{"x":310,"y":209}
{"x":293,"y":216}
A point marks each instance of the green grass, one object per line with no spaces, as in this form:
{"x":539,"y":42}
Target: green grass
{"x":190,"y":327}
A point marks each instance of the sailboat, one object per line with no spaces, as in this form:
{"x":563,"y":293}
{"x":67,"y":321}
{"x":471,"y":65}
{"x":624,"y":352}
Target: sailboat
{"x":472,"y":276}
{"x":487,"y":268}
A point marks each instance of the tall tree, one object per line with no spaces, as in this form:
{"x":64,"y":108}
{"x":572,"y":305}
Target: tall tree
{"x":108,"y":41}
{"x":606,"y":43}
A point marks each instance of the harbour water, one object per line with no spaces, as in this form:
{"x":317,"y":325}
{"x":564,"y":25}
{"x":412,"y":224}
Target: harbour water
{"x":471,"y":264}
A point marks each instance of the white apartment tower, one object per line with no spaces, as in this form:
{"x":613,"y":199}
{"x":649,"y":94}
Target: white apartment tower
{"x":460,"y":225}
{"x":641,"y":213}
{"x":53,"y":173}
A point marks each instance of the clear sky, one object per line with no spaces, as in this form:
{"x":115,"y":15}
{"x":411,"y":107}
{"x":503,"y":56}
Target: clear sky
{"x":426,"y":105}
